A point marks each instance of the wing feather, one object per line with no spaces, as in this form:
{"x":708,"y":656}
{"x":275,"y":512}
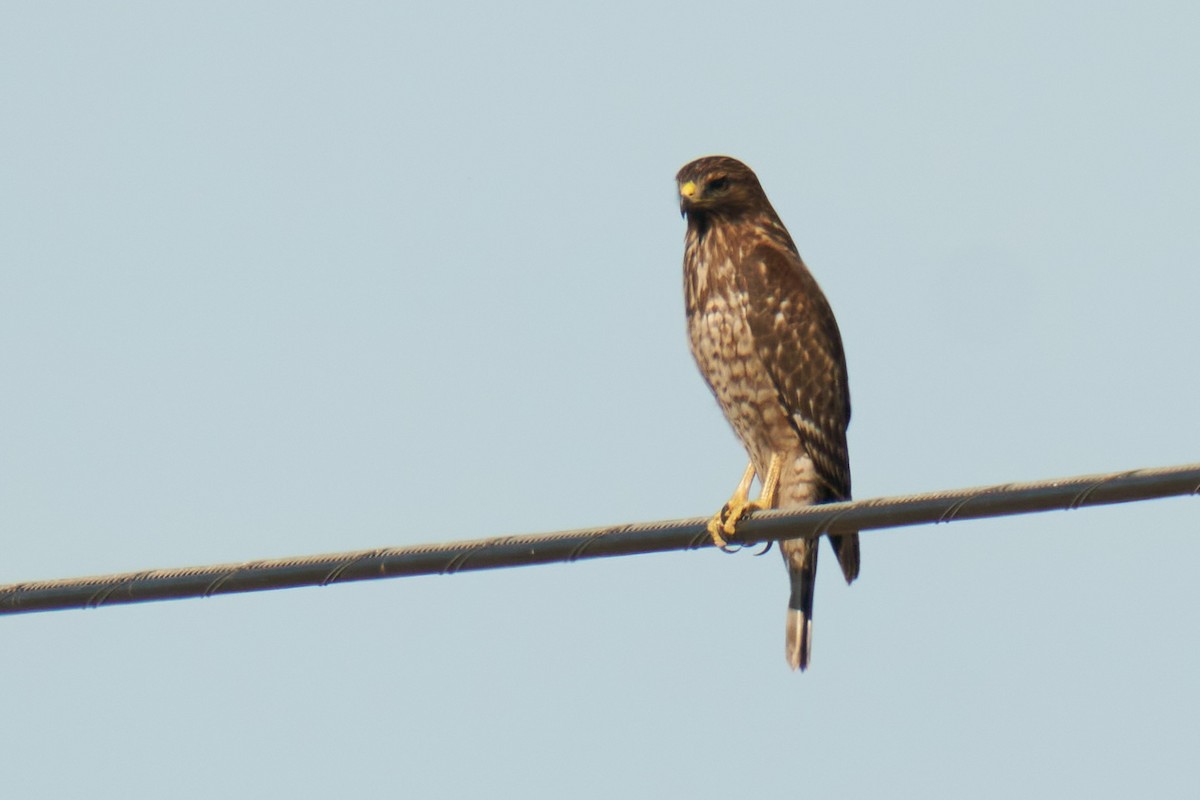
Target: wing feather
{"x":797,"y":339}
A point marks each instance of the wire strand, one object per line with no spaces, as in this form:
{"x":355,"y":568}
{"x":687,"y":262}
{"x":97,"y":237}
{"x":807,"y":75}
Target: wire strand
{"x":617,"y":540}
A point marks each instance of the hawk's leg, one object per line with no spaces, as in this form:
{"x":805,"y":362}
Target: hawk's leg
{"x":720,"y":525}
{"x":724,"y":522}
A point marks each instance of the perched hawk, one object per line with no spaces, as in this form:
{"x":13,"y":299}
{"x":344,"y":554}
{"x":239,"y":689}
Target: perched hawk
{"x":766,"y":342}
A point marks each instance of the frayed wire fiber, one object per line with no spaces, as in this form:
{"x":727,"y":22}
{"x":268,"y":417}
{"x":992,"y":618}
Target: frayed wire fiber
{"x":618,"y":540}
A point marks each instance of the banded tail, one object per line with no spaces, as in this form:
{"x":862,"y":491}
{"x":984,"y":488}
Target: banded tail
{"x":801,"y":558}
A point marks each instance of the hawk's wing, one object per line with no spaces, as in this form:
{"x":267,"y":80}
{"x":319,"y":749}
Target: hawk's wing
{"x":797,"y":339}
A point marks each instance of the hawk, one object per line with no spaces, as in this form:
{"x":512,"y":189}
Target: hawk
{"x":768,"y":346}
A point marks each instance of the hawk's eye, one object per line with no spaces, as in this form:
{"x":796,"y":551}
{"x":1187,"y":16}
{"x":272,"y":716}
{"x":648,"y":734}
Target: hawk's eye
{"x":718,"y":185}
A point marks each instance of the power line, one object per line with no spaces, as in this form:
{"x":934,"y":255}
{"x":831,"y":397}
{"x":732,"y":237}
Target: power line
{"x":617,"y":540}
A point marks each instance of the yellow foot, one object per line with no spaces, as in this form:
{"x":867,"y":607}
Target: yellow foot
{"x":724,"y":522}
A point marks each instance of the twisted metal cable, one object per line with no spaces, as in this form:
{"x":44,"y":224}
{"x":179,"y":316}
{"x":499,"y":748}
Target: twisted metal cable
{"x":617,"y":540}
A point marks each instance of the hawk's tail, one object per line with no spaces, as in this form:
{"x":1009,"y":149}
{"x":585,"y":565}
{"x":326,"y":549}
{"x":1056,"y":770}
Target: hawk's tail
{"x":801,"y":558}
{"x":845,"y":547}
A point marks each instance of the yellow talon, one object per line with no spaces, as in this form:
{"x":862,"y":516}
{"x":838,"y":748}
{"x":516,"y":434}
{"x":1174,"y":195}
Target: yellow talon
{"x":716,"y":527}
{"x":724,"y":522}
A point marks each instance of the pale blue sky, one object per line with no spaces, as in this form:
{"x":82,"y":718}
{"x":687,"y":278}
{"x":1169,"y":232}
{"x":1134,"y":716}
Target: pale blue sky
{"x":287,"y":278}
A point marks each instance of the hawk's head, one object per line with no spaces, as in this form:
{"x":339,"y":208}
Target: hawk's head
{"x":719,"y":186}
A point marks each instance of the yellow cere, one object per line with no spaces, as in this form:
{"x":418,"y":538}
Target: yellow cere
{"x":688,"y":189}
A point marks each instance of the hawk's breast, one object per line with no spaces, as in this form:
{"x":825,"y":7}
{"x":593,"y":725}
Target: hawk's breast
{"x":725,"y":351}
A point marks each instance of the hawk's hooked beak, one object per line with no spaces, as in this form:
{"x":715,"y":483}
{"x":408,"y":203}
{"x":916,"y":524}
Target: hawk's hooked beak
{"x":686,"y":192}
